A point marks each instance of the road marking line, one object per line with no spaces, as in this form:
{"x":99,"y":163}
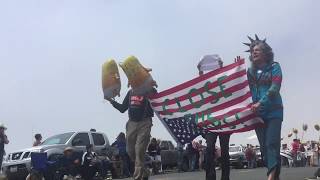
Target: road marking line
{"x":245,"y":171}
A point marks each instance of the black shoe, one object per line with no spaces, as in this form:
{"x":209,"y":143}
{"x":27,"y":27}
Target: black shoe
{"x":145,"y":178}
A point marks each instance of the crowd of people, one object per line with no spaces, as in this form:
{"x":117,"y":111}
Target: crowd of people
{"x":301,"y":154}
{"x":87,"y":165}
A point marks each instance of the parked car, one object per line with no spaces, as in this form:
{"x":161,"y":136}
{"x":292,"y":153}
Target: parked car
{"x":166,"y":145}
{"x":169,"y":155}
{"x":18,"y":163}
{"x":237,"y":156}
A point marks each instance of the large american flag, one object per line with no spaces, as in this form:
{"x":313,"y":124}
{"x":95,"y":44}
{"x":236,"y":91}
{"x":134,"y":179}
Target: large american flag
{"x":218,"y":101}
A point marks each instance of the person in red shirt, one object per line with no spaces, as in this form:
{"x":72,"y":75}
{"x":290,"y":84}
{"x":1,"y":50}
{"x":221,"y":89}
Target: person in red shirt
{"x":295,"y":146}
{"x":294,"y":150}
{"x":250,"y":156}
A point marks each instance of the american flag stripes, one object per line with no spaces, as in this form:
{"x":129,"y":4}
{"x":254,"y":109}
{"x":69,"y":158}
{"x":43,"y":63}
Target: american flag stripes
{"x":218,"y":101}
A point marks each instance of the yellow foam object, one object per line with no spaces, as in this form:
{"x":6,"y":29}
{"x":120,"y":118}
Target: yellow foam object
{"x":111,"y":83}
{"x":138,"y":76}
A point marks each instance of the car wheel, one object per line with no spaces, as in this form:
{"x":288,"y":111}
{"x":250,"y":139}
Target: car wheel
{"x":185,"y":166}
{"x":240,"y":165}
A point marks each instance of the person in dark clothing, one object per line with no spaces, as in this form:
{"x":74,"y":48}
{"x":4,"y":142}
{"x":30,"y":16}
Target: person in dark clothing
{"x":138,"y":106}
{"x":120,"y":144}
{"x":302,"y":148}
{"x":153,"y":148}
{"x":211,"y":137}
{"x":3,"y":140}
{"x":90,"y":164}
{"x":192,"y":156}
{"x":69,"y":163}
{"x":180,"y":157}
{"x":138,"y":129}
{"x":154,"y":153}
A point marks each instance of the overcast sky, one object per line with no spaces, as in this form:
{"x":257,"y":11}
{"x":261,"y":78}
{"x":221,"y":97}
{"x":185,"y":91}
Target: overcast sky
{"x":51,"y":54}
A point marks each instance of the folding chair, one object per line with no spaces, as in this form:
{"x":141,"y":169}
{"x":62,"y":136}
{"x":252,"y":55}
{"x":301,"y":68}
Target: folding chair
{"x":38,"y":164}
{"x":39,"y":161}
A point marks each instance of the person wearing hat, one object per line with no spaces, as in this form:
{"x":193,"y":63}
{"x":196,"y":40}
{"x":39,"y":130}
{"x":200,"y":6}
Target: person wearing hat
{"x":70,"y":162}
{"x":265,"y":79}
{"x":3,"y":140}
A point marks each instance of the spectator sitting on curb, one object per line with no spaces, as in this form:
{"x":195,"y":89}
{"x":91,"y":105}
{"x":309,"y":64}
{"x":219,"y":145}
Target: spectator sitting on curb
{"x":91,"y":165}
{"x":70,"y":163}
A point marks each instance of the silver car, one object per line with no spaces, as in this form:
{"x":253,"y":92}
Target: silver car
{"x":237,"y":156}
{"x":17,"y":164}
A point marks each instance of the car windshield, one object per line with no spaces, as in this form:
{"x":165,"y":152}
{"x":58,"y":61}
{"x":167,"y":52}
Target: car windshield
{"x":58,"y":139}
{"x":234,"y":149}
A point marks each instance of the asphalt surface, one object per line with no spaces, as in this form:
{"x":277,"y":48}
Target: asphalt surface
{"x":241,"y":174}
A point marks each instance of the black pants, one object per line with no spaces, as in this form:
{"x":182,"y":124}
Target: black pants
{"x":88,"y":172}
{"x":1,"y":158}
{"x":211,"y":139}
{"x":101,"y":167}
{"x":72,"y":170}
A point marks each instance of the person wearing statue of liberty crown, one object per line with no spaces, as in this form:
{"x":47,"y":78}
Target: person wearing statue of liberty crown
{"x":265,"y":78}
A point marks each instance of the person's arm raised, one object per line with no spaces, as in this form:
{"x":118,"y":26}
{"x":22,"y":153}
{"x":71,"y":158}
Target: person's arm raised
{"x":121,"y":107}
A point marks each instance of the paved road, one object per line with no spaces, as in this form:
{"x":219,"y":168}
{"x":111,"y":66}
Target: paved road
{"x":244,"y":174}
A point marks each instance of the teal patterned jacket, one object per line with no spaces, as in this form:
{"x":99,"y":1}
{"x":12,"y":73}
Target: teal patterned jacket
{"x":265,"y":84}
